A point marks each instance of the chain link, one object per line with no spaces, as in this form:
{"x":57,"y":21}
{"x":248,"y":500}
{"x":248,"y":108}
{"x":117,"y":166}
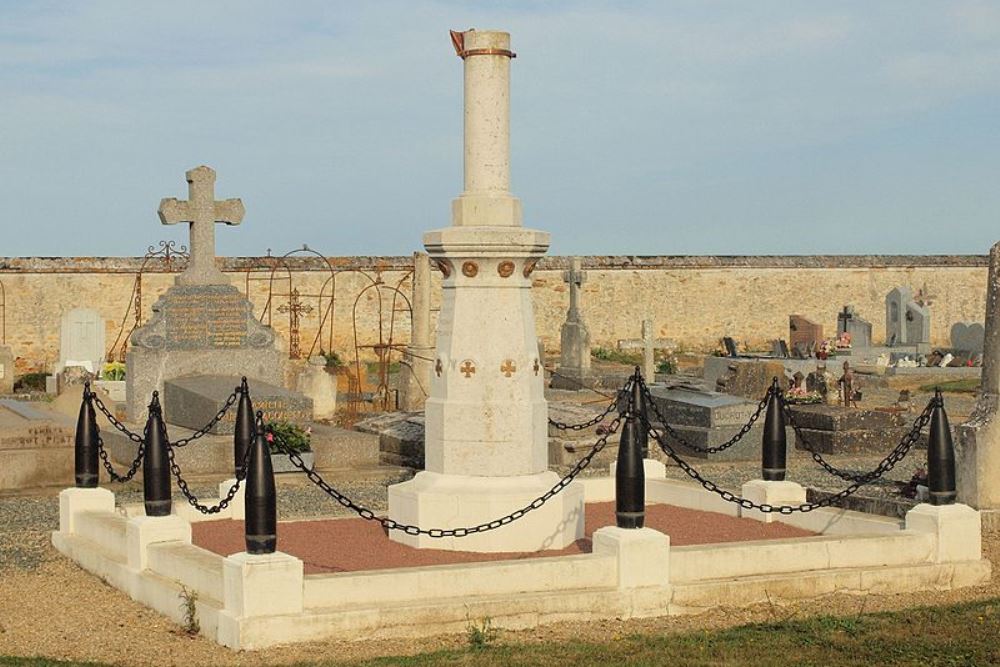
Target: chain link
{"x":183,"y":442}
{"x":134,"y":437}
{"x":612,"y":407}
{"x":193,"y":499}
{"x":115,"y":477}
{"x":897,"y":453}
{"x":887,"y":464}
{"x":690,"y":445}
{"x":409,"y":529}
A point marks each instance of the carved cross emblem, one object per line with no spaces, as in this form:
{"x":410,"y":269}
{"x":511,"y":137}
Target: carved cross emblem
{"x":508,"y":367}
{"x":468,"y":368}
{"x":438,"y":368}
{"x":537,"y":366}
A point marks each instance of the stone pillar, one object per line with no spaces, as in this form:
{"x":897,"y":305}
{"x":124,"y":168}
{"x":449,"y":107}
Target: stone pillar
{"x":977,"y":451}
{"x":419,"y":355}
{"x":486,"y":444}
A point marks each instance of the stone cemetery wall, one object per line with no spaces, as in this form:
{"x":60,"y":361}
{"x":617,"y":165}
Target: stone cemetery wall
{"x":693,"y":300}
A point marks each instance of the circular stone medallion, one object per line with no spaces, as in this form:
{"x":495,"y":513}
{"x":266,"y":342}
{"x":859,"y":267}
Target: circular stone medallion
{"x":470,"y":269}
{"x":505,"y":269}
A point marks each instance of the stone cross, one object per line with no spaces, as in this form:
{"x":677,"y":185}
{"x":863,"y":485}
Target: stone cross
{"x":201,"y":211}
{"x":575,"y":277}
{"x":649,"y":346}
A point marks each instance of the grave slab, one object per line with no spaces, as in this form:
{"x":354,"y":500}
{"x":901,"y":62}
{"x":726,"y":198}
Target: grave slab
{"x":193,"y":401}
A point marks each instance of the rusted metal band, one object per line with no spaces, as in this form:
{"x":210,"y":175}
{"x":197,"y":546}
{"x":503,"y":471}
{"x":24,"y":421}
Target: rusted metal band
{"x":487,"y":52}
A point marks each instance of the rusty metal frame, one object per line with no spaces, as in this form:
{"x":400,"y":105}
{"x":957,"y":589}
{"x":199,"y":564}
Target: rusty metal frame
{"x":167,"y":252}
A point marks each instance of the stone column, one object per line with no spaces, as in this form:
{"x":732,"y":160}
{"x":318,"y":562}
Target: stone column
{"x":977,"y":450}
{"x":419,"y":356}
{"x":486,"y":442}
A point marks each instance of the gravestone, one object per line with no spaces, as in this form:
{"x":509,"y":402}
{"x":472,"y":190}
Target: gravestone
{"x":6,"y":370}
{"x":320,"y":387}
{"x":707,"y":419}
{"x":907,"y":320}
{"x":81,"y":340}
{"x":968,"y":337}
{"x":192,"y":401}
{"x":750,"y":379}
{"x":574,"y":337}
{"x":201,"y":324}
{"x":860,"y":329}
{"x":730,"y":345}
{"x":804,"y":334}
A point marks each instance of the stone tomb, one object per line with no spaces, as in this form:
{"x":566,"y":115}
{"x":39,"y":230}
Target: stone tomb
{"x":202,"y":322}
{"x":707,"y":419}
{"x":193,"y":401}
{"x":833,"y":429}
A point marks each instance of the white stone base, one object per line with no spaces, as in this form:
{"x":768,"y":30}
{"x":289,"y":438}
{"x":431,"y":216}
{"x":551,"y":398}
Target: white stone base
{"x":774,"y":493}
{"x":433,"y":500}
{"x":143,"y":531}
{"x":643,"y":555}
{"x":72,"y":501}
{"x":958,"y":530}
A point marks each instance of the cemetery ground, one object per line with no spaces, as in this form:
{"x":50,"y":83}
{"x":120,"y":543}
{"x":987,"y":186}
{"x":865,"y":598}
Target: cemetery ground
{"x":50,"y":609}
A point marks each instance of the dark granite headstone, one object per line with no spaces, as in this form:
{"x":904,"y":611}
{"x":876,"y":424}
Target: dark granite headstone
{"x":193,"y":401}
{"x":708,"y":419}
{"x":803,"y":332}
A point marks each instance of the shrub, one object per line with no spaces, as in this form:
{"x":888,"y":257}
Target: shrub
{"x":31,"y":382}
{"x":293,"y":436}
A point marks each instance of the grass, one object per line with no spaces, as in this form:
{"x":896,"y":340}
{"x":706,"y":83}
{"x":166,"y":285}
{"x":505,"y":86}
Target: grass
{"x":964,"y":386}
{"x":617,"y":356}
{"x":963,"y":634}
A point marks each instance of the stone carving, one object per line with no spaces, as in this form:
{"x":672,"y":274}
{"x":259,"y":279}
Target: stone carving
{"x":470,"y":269}
{"x":505,"y":269}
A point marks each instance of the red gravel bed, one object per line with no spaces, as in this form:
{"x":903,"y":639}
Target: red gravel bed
{"x":352,"y":545}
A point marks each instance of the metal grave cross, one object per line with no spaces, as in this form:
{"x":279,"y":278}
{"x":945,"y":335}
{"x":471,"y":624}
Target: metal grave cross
{"x":201,"y":211}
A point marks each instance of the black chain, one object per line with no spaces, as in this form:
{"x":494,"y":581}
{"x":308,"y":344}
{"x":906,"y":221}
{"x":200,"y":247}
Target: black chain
{"x":134,"y":437}
{"x":390,"y":524}
{"x":887,"y":464}
{"x":612,"y":407}
{"x":697,"y":448}
{"x":115,"y":477}
{"x":183,"y":442}
{"x":897,"y":453}
{"x":192,"y":499}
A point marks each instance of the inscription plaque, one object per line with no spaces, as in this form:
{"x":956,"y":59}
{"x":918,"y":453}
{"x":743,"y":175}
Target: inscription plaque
{"x":205,"y":320}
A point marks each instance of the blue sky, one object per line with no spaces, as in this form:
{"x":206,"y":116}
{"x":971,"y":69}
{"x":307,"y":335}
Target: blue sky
{"x":667,"y":127}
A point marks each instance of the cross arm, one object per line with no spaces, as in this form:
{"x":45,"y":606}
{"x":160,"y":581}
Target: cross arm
{"x":173,"y":210}
{"x":229,"y":211}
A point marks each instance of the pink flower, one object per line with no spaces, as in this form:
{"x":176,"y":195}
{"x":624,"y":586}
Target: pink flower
{"x":270,"y":437}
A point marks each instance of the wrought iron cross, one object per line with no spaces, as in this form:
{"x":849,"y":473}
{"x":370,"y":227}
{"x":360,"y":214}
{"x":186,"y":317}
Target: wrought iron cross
{"x":201,"y":211}
{"x":294,"y":308}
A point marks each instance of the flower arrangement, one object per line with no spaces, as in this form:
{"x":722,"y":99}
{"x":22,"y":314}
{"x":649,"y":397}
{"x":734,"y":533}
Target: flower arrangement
{"x":113,"y":370}
{"x":293,"y":436}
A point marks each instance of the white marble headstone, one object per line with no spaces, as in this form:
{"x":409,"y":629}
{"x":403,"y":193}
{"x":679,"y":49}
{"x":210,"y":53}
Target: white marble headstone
{"x":81,"y":340}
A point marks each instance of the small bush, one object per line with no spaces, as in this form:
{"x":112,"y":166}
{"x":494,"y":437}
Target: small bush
{"x":188,"y":605}
{"x":333,"y":359}
{"x":31,"y":382}
{"x":481,"y":635}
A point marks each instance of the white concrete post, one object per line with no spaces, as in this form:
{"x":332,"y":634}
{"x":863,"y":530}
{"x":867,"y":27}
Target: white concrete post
{"x":72,"y":501}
